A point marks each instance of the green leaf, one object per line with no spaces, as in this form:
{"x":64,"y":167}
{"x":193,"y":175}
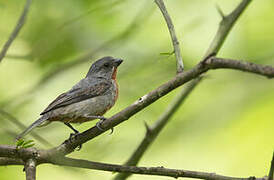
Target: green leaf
{"x":29,"y":145}
{"x":167,"y":53}
{"x":19,"y":142}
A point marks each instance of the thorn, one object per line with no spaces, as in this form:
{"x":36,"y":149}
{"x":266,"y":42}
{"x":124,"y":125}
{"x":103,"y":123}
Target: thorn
{"x":148,"y":129}
{"x":219,"y":10}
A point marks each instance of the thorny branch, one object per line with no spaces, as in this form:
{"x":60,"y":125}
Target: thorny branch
{"x":16,"y":30}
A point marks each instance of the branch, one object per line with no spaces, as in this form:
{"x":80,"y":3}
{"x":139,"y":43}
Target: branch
{"x":271,"y":171}
{"x":16,"y":30}
{"x":30,"y":168}
{"x":159,"y":171}
{"x":23,"y":153}
{"x":225,"y":26}
{"x":180,"y":79}
{"x":155,"y":129}
{"x":34,"y":157}
{"x":221,"y":63}
{"x":10,"y":161}
{"x":175,"y":42}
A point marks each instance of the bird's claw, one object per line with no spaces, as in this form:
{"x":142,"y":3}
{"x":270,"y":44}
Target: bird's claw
{"x":73,"y":136}
{"x":111,"y":130}
{"x":99,"y":125}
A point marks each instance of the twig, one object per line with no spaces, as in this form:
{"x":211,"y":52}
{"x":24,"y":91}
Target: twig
{"x":180,"y":79}
{"x":16,"y":30}
{"x":30,"y":168}
{"x":175,"y":42}
{"x":22,"y":127}
{"x":271,"y":171}
{"x":27,"y":57}
{"x":155,"y":129}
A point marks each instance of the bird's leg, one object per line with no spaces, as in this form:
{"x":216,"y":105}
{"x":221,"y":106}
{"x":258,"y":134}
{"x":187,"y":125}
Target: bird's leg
{"x":71,"y":127}
{"x":99,"y":123}
{"x":72,"y":135}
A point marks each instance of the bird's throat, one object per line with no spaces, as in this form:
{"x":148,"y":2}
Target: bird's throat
{"x":114,"y":74}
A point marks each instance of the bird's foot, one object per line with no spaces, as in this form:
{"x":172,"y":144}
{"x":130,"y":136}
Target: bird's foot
{"x":72,"y":137}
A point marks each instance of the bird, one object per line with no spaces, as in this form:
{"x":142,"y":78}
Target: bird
{"x":89,"y":99}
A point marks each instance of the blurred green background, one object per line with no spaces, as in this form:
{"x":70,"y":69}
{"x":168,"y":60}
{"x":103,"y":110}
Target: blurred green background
{"x":225,"y":126}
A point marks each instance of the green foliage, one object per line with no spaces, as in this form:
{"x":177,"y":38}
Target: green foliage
{"x":21,"y":143}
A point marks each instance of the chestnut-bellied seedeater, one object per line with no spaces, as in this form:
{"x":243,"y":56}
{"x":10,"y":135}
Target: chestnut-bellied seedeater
{"x":89,"y":99}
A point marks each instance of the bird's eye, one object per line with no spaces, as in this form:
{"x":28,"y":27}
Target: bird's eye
{"x":106,"y":64}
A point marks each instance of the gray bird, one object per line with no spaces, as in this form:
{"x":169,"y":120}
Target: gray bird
{"x":89,"y":99}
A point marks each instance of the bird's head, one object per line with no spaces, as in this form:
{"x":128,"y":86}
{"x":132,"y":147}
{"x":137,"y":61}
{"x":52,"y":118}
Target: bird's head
{"x":105,"y":67}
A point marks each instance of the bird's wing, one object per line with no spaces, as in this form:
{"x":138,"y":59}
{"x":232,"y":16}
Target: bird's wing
{"x":78,"y":94}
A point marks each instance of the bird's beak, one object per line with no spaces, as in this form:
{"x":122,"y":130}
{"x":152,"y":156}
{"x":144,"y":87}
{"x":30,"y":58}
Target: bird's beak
{"x":117,"y":62}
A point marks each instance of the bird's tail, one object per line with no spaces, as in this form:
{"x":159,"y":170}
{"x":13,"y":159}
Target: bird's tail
{"x":40,"y":122}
